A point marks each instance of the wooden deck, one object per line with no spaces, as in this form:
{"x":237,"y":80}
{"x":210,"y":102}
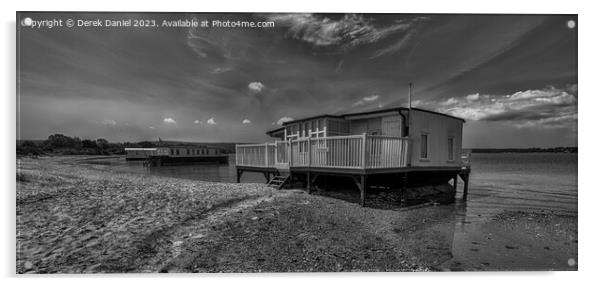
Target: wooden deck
{"x":355,"y":156}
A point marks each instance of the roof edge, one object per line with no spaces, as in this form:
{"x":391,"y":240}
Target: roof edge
{"x":402,"y":108}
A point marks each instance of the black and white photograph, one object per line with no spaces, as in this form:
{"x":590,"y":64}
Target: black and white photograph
{"x":285,"y":142}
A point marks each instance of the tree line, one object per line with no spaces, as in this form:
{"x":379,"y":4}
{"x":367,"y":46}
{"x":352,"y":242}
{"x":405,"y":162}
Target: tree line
{"x":59,"y":144}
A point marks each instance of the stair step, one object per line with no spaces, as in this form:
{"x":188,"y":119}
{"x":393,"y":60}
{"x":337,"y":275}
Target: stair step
{"x":278,"y":181}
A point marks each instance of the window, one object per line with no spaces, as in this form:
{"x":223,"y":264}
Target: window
{"x":450,"y":148}
{"x":424,"y":145}
{"x":177,"y":151}
{"x":171,"y":151}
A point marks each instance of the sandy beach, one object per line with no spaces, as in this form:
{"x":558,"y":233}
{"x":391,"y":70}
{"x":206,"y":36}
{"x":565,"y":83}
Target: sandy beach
{"x":77,"y":218}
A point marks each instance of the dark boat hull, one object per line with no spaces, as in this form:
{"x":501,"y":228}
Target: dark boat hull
{"x":167,"y":160}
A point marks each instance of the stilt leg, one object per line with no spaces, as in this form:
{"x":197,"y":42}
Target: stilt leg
{"x":404,"y":187}
{"x":238,"y":175}
{"x":464,"y":178}
{"x":455,"y":183}
{"x":465,"y":194}
{"x":362,"y":190}
{"x":308,"y":183}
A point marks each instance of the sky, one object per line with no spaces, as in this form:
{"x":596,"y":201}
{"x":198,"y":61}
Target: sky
{"x":512,"y":77}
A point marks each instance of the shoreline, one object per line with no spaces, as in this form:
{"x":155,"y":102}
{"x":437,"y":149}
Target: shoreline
{"x":74,"y":218}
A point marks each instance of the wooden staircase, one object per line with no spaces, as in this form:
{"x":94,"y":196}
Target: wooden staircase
{"x":279,"y":181}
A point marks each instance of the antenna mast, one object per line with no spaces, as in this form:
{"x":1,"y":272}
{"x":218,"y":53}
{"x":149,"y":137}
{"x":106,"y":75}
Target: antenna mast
{"x":409,"y":106}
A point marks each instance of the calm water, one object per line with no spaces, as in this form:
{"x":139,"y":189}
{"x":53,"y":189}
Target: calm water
{"x":498,"y":181}
{"x":523,"y":181}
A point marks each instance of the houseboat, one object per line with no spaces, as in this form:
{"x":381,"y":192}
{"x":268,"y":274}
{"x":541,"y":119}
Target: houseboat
{"x":410,"y":145}
{"x":138,"y":154}
{"x":173,"y":155}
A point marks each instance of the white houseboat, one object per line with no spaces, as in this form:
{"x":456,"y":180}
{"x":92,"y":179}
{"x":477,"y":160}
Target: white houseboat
{"x":416,"y":145}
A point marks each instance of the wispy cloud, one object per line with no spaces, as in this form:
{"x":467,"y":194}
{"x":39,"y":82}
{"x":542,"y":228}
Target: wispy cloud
{"x":211,"y":121}
{"x":365,"y":100}
{"x":219,"y":70}
{"x":546,"y":107}
{"x":348,"y":32}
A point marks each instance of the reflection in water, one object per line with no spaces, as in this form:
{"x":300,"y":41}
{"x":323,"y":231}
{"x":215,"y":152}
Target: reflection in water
{"x":429,"y":234}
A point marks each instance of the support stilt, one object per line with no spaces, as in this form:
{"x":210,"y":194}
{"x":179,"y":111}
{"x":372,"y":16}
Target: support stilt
{"x":404,"y":187}
{"x":464,"y":178}
{"x":362,"y":190}
{"x":308,"y":182}
{"x":455,"y":183}
{"x":238,"y":175}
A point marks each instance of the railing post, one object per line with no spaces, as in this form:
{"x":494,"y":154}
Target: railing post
{"x":276,"y":152}
{"x":290,"y":158}
{"x":309,"y":151}
{"x":401,"y":152}
{"x":266,"y":154}
{"x":409,"y":152}
{"x":364,"y":151}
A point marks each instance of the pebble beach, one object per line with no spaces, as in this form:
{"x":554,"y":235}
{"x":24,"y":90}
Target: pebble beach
{"x":75,"y":218}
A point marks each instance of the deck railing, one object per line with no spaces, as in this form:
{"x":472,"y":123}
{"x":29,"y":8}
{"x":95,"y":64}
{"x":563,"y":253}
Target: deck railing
{"x":352,"y":152}
{"x":258,"y":155}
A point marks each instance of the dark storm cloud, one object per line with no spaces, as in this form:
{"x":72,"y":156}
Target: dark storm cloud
{"x":123,"y":84}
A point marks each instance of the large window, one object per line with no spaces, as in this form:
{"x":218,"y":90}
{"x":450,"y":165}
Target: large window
{"x":424,"y":146}
{"x":450,"y":148}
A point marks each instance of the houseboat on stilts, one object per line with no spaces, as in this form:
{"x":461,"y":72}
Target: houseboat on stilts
{"x":410,"y":146}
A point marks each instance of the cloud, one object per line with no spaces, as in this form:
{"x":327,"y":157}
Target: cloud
{"x":221,"y":70}
{"x":547,"y":107}
{"x":365,"y":100}
{"x":246,"y":121}
{"x":198,"y":122}
{"x":151,"y":127}
{"x":256,"y":87}
{"x":472,"y":97}
{"x":346,"y":33}
{"x":211,"y":121}
{"x":169,"y":120}
{"x":284,"y":119}
{"x":450,"y":101}
{"x":109,"y":122}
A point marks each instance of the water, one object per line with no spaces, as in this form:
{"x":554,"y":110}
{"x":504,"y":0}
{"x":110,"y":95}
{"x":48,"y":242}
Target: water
{"x":516,"y":181}
{"x":202,"y":172}
{"x":523,"y":181}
